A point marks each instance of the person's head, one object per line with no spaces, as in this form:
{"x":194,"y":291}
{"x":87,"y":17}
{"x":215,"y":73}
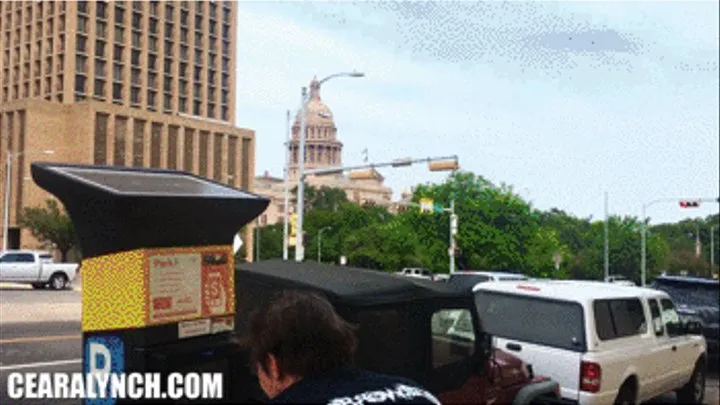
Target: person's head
{"x":297,"y":335}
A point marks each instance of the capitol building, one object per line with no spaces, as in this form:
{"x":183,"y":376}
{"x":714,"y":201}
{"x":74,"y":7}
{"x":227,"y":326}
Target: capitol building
{"x":322,"y":150}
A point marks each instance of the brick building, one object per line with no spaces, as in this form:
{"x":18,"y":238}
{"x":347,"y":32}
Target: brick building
{"x":127,"y":83}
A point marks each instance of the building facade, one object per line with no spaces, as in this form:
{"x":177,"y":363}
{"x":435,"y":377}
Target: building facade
{"x":322,"y":150}
{"x":126,"y":83}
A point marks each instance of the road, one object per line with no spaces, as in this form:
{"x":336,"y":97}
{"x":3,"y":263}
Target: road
{"x":40,"y":332}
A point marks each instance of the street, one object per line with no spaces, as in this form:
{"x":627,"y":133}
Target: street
{"x":40,"y":332}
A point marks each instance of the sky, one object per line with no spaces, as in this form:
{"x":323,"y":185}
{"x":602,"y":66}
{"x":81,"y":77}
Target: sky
{"x":563,"y":100}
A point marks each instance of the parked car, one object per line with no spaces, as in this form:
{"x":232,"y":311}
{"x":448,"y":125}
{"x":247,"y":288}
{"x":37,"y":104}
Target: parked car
{"x":603,"y":343}
{"x":618,"y":279}
{"x":697,"y":299}
{"x":406,"y":326}
{"x":416,"y":272}
{"x":35,"y":268}
{"x":465,"y":280}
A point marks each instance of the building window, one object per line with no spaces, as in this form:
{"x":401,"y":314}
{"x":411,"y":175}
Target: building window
{"x":168,"y":66}
{"x":117,"y":92}
{"x":196,"y":90}
{"x":138,"y":142}
{"x":120,"y":128}
{"x":152,"y":44}
{"x":82,"y":7}
{"x":135,"y":58}
{"x":226,"y":16}
{"x":224,"y":97}
{"x":169,"y":11}
{"x":182,"y":104}
{"x":196,"y":107}
{"x":82,"y":24}
{"x":198,"y":21}
{"x":137,"y":20}
{"x":217,"y":161}
{"x":152,"y":60}
{"x":151,"y":100}
{"x":100,"y":9}
{"x":100,"y":28}
{"x":172,"y":147}
{"x":99,"y":90}
{"x":183,"y":35}
{"x":100,"y":48}
{"x":226,"y":64}
{"x":117,"y":73}
{"x":118,"y":53}
{"x":152,"y":26}
{"x":154,"y":7}
{"x":183,"y":52}
{"x":81,"y":44}
{"x":80,"y":64}
{"x":167,"y":83}
{"x":168,"y":30}
{"x":188,"y":149}
{"x":135,"y":77}
{"x":198,"y":73}
{"x":99,"y":68}
{"x":232,"y":158}
{"x":152,"y":80}
{"x":119,"y":15}
{"x":135,"y":39}
{"x":119,"y":32}
{"x":211,"y":110}
{"x":167,"y":106}
{"x":224,"y":113}
{"x":100,"y":147}
{"x":155,"y":145}
{"x":183,"y":87}
{"x":168,"y":49}
{"x":183,"y":69}
{"x":198,"y":56}
{"x":203,"y":161}
{"x":184,"y":17}
{"x":225,"y":32}
{"x":135,"y":96}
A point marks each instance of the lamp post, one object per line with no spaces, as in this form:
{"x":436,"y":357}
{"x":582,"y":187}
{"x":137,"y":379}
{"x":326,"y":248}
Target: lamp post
{"x":8,"y":187}
{"x":320,"y":242}
{"x":286,"y":206}
{"x":299,"y":246}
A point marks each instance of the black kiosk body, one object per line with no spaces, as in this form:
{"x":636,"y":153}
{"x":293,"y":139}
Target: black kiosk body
{"x":158,"y":268}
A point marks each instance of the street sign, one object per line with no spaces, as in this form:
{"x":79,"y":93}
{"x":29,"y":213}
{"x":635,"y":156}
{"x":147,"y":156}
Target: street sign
{"x":426,"y":205}
{"x":104,"y":355}
{"x":438,"y":208}
{"x":454,"y":224}
{"x":343,"y":260}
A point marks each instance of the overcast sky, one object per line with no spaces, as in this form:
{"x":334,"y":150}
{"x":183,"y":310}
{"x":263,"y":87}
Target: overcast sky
{"x":563,"y":100}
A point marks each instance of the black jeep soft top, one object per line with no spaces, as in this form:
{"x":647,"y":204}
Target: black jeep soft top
{"x":394,"y":314}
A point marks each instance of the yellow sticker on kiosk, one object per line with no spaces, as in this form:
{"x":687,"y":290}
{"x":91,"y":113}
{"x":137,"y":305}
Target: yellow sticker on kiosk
{"x":156,"y":286}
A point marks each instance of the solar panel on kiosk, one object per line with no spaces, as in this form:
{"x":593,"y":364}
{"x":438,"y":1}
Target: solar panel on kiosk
{"x":149,"y":183}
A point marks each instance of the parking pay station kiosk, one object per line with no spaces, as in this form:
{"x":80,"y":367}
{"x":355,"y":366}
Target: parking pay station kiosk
{"x":158,"y":269}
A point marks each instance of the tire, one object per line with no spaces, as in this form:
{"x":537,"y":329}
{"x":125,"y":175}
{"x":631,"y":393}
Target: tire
{"x":694,"y":391}
{"x":38,"y":286}
{"x":58,"y":281}
{"x":626,"y":395}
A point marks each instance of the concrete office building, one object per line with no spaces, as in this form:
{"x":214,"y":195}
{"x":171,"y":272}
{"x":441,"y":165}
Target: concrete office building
{"x":127,"y":83}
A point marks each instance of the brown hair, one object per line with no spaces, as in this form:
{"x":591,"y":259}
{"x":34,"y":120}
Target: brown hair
{"x":303,"y":332}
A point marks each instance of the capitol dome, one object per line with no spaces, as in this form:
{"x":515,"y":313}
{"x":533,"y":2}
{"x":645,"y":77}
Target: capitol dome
{"x":318,"y":113}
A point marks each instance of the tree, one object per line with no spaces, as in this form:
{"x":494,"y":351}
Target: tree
{"x":50,"y":224}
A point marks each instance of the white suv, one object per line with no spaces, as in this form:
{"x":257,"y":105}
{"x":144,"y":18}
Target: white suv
{"x":604,"y":343}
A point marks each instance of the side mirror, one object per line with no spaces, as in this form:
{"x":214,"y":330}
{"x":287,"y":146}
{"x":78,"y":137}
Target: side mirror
{"x":674,"y":328}
{"x":693,"y":328}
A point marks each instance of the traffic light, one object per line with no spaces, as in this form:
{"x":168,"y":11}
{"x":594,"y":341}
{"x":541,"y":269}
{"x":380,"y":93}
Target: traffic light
{"x":689,"y":204}
{"x":443,"y":165}
{"x":364,"y":174}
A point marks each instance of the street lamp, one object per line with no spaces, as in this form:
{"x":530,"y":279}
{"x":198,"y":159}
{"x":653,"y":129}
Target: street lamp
{"x":299,"y":246}
{"x":8,"y":187}
{"x":320,"y":242}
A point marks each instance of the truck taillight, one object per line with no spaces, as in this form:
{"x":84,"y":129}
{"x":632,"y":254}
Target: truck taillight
{"x":590,"y":376}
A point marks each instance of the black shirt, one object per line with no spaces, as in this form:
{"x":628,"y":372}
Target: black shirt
{"x":355,"y":387}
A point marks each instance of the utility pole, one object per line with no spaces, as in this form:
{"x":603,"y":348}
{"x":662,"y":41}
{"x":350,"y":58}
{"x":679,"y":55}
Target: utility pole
{"x":453,"y":232}
{"x":286,"y":207}
{"x":299,"y":239}
{"x":712,"y":247}
{"x":607,"y":242}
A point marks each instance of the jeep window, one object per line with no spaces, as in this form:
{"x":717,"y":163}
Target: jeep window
{"x":540,"y":321}
{"x":453,"y":336}
{"x":669,"y":315}
{"x":617,"y":318}
{"x":658,"y":324}
{"x":466,"y":281}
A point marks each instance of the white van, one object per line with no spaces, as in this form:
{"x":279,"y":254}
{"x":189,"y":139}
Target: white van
{"x":604,"y":343}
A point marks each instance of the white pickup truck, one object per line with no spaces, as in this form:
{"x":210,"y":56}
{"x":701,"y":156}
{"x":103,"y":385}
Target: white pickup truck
{"x":35,"y":268}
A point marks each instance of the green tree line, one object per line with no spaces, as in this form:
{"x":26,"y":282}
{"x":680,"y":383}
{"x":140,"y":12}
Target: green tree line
{"x":498,"y":230}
